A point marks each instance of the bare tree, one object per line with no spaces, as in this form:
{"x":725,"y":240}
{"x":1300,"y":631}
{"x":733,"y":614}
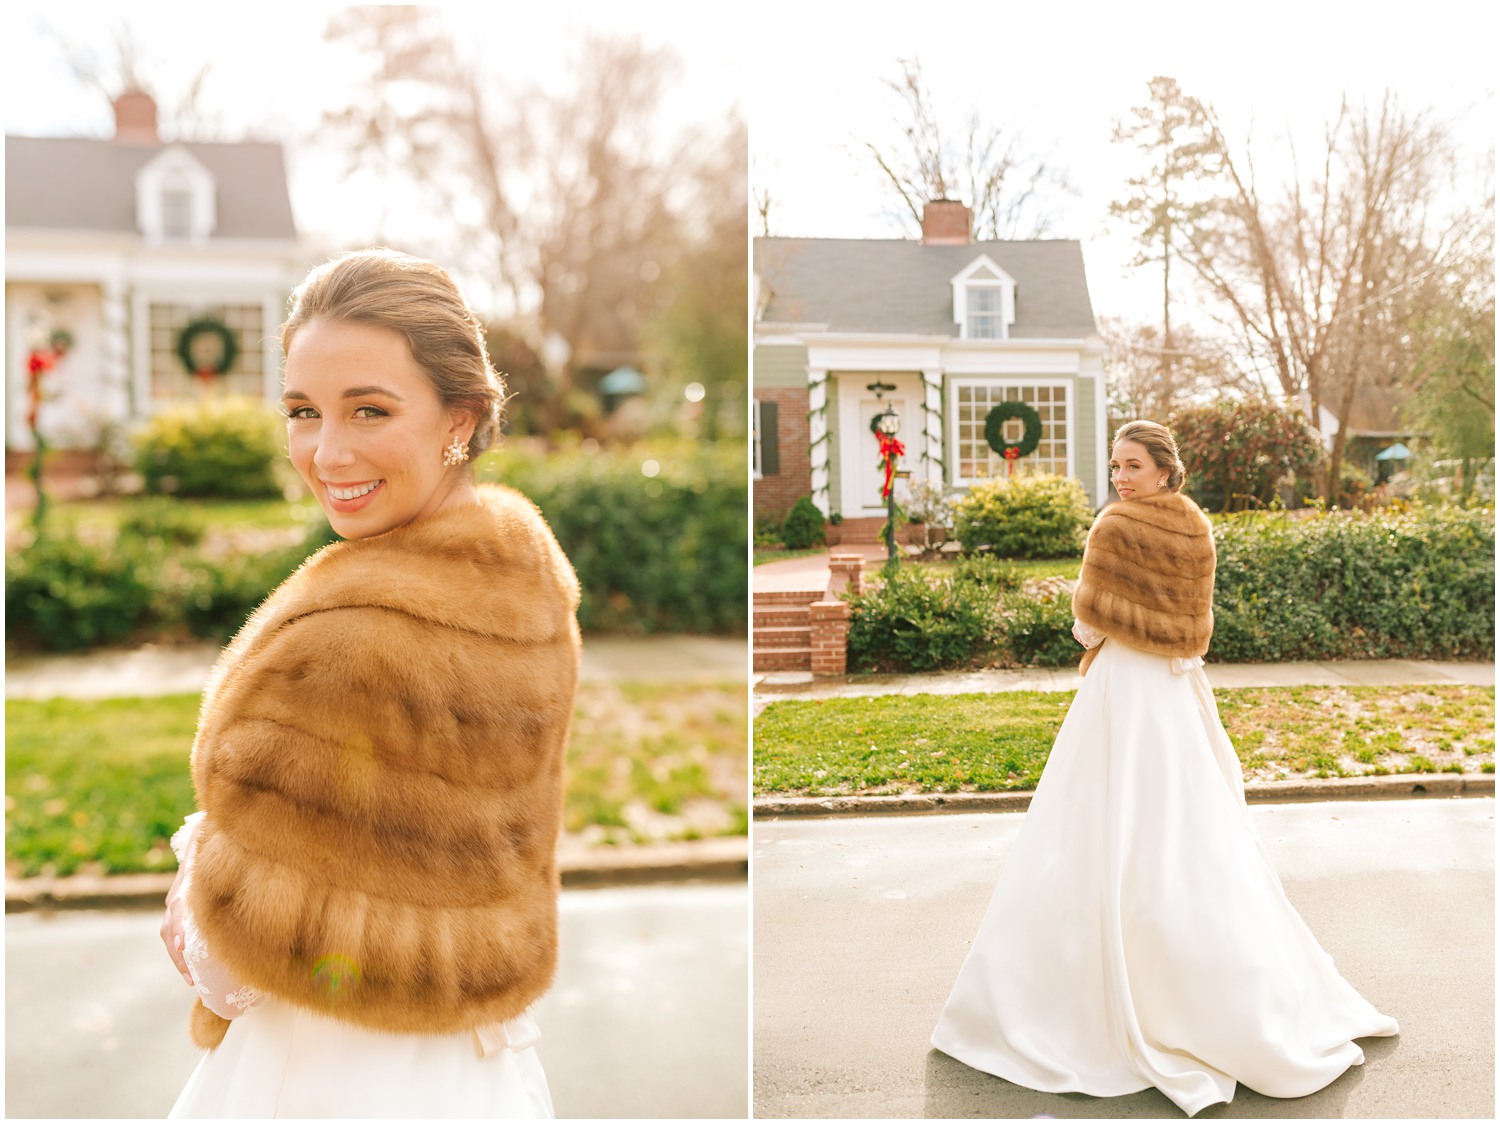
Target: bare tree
{"x":567,"y":199}
{"x":1141,"y":386}
{"x":1317,"y":276}
{"x":130,"y":66}
{"x":1011,"y":191}
{"x":1170,"y":131}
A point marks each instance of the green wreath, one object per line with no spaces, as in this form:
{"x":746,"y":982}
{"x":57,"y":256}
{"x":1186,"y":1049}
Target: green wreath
{"x":228,"y":346}
{"x":1002,"y":414}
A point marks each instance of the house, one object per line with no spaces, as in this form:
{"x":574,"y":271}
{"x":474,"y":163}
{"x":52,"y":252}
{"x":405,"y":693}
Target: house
{"x":942,"y":330}
{"x":124,"y":247}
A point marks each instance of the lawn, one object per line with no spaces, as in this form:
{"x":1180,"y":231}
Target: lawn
{"x":100,"y":786}
{"x":999,"y":741}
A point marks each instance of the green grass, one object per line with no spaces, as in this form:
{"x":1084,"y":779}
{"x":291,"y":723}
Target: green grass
{"x":994,"y":742}
{"x":761,"y":555}
{"x":105,"y":515}
{"x":100,"y":786}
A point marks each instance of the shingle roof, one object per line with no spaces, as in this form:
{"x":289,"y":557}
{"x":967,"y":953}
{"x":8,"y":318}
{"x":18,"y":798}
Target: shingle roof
{"x":901,"y":286}
{"x":75,"y":183}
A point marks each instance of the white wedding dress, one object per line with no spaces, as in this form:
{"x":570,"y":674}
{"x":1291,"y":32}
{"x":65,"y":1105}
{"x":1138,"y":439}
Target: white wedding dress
{"x":282,"y":1061}
{"x":1139,"y":934}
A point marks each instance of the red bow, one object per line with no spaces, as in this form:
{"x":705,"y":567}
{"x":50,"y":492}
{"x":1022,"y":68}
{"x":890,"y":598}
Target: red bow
{"x":890,"y":450}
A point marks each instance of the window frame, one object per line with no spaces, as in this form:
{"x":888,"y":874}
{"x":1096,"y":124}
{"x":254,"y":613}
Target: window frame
{"x":1070,"y":424}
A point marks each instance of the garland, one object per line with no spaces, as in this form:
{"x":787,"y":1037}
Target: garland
{"x":210,"y":366}
{"x":1029,"y":439}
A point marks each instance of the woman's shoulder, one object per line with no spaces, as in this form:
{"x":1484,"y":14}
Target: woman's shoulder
{"x":491,"y":567}
{"x":1165,"y":512}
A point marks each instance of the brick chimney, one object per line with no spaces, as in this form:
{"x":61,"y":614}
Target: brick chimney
{"x":945,"y":222}
{"x":135,"y":118}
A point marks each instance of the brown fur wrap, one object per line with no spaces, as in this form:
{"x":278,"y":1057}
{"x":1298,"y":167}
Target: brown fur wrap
{"x":380,"y":757}
{"x":1148,"y":576}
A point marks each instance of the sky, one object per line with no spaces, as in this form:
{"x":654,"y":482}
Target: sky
{"x":808,"y":75}
{"x":273,"y":74}
{"x":1062,"y":73}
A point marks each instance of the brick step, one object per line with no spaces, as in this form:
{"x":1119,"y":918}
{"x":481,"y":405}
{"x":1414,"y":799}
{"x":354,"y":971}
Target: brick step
{"x":779,"y":597}
{"x":768,"y":638}
{"x":780,"y":616}
{"x":782,"y":659}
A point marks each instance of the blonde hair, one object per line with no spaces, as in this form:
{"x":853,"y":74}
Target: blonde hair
{"x":1159,"y":444}
{"x":417,"y":298}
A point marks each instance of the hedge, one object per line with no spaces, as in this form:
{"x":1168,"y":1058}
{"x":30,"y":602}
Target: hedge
{"x":1414,"y":584}
{"x":661,"y":552}
{"x":658,"y":532}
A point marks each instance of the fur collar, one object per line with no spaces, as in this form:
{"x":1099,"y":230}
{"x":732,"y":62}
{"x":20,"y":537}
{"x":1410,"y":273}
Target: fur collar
{"x":1147,"y":578}
{"x":380,"y":758}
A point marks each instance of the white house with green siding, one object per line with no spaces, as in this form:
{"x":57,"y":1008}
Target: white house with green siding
{"x":953,"y":328}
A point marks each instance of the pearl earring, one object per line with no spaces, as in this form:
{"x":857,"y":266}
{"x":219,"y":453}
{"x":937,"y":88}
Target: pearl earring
{"x":456,"y":453}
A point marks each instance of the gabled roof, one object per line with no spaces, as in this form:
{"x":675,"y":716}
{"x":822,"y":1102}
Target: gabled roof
{"x":902,"y":286}
{"x":75,"y":183}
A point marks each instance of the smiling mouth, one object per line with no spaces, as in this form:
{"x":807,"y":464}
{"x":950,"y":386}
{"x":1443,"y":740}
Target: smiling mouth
{"x":352,"y":492}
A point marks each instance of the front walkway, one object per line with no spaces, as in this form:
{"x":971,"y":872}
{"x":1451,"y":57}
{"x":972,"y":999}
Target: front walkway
{"x":161,"y":670}
{"x":772,"y":686}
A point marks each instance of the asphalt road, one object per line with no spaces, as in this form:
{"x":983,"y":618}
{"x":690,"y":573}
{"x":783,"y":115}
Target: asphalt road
{"x":649,"y":1016}
{"x":861,"y":925}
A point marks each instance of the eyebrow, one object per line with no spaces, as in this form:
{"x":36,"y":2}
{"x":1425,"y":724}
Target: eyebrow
{"x":352,"y":392}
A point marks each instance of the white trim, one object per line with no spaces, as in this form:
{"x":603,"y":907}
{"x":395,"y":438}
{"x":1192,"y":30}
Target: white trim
{"x":755,"y":440}
{"x":817,"y":427}
{"x":1101,"y":433}
{"x":175,"y":168}
{"x":1069,"y":433}
{"x":963,"y":281}
{"x":932,"y":417}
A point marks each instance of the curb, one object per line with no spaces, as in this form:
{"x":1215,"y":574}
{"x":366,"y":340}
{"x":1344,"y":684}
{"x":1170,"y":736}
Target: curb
{"x":723,"y":860}
{"x":1402,"y":787}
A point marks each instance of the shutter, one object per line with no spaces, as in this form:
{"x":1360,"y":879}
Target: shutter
{"x":770,"y":459}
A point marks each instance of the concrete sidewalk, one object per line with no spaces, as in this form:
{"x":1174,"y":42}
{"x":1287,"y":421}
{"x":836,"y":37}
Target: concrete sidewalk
{"x":773,"y":685}
{"x":162,"y":670}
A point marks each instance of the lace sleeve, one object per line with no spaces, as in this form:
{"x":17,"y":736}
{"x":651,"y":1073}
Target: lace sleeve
{"x":222,"y":991}
{"x":1088,"y":637}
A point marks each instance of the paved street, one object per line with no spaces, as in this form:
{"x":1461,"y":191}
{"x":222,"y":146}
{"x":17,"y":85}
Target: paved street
{"x":648,"y":1017}
{"x":861,"y":925}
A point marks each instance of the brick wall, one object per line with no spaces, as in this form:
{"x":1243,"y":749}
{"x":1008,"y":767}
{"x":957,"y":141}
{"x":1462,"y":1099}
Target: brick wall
{"x":775,"y":493}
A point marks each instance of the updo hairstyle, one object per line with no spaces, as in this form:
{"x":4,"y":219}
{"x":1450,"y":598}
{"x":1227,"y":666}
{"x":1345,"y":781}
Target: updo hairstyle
{"x":417,"y":298}
{"x":1160,"y":446}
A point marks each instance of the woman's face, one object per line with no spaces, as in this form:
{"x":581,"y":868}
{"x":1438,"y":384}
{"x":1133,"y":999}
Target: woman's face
{"x":1133,"y":472}
{"x":366,"y":429}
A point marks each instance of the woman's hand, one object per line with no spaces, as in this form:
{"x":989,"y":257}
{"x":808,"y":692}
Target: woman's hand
{"x":172,"y":933}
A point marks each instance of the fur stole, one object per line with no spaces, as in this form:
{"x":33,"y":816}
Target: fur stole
{"x":380,"y":757}
{"x":1148,"y":576}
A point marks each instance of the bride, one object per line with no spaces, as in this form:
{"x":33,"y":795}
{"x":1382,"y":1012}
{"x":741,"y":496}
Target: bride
{"x":367,"y":903}
{"x":1139,"y":934}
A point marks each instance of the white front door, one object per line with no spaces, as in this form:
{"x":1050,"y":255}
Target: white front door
{"x":860,"y":465}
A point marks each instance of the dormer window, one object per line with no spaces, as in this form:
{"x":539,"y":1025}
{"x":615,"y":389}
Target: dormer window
{"x":175,"y":198}
{"x":984,"y":301}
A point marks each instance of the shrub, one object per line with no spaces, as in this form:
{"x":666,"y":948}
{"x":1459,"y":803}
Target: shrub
{"x":216,"y":597}
{"x":911,"y":622}
{"x":1025,"y":517}
{"x":803,"y":527}
{"x":1039,"y":631}
{"x":659,"y":553}
{"x":219,"y":447}
{"x":64,"y":593}
{"x":1392,"y":584}
{"x":987,"y":571}
{"x":1237,"y":452}
{"x":164,"y":520}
